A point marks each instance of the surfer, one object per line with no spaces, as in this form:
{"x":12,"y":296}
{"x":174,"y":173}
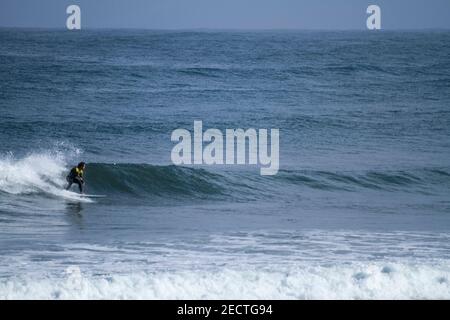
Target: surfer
{"x":76,"y":176}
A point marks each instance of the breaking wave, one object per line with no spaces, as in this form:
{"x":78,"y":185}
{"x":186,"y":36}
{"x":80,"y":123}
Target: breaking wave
{"x":44,"y":174}
{"x":350,"y":281}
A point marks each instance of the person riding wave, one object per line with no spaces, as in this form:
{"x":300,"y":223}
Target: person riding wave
{"x":76,"y":176}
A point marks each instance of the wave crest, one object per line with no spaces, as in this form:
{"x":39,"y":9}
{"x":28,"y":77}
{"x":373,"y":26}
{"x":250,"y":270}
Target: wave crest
{"x":44,"y":173}
{"x":355,"y":281}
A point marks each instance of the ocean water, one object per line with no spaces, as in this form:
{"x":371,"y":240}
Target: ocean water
{"x":360,"y":207}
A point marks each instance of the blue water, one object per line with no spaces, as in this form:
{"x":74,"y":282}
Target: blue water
{"x":359,"y":208}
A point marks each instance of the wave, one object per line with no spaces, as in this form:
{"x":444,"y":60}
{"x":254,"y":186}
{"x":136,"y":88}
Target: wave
{"x":199,"y":183}
{"x":375,"y":280}
{"x":44,"y":174}
{"x":422,"y":180}
{"x":158,"y":181}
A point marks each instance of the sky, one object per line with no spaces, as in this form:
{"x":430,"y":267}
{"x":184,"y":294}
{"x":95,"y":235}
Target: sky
{"x":227,"y":14}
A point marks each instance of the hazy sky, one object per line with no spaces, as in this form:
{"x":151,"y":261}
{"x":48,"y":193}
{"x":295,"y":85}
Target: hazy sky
{"x":227,"y":14}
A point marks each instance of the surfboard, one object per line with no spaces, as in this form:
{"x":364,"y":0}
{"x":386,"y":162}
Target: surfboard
{"x":92,"y":195}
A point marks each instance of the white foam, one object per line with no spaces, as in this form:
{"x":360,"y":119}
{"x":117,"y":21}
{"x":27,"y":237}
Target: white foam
{"x":36,"y":173}
{"x":346,"y":281}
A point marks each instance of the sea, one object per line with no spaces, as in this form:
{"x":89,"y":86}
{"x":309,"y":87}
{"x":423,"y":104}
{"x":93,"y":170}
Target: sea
{"x":359,"y":209}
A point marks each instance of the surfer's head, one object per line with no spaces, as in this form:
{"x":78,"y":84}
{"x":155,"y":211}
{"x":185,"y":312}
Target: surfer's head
{"x":81,"y":165}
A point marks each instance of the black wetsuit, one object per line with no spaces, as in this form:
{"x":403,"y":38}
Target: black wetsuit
{"x":75,"y":176}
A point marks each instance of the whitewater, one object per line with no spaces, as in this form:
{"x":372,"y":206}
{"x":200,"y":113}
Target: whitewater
{"x":371,"y":281}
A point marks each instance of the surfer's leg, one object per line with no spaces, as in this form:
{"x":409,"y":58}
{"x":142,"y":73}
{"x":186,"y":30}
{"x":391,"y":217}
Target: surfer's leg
{"x":79,"y":183}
